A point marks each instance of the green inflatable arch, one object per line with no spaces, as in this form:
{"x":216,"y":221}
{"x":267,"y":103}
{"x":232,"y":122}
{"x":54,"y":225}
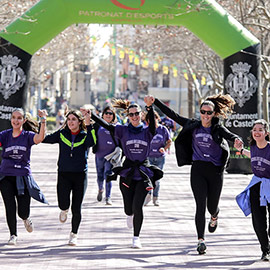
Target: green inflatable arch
{"x":239,"y":49}
{"x":205,"y":18}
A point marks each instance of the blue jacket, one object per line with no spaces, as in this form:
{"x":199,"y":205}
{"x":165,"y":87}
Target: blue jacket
{"x":243,"y":199}
{"x":72,"y":156}
{"x":31,"y":185}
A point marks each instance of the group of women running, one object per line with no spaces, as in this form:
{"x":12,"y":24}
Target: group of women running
{"x":201,"y":143}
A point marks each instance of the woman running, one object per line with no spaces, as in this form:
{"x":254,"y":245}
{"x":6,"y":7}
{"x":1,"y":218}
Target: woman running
{"x":203,"y":143}
{"x":255,"y":199}
{"x":105,"y":144}
{"x":74,"y":139}
{"x":136,"y":173}
{"x":17,"y":184}
{"x":159,"y":146}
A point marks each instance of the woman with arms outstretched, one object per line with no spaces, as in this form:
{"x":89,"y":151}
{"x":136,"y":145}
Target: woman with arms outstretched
{"x":203,"y":143}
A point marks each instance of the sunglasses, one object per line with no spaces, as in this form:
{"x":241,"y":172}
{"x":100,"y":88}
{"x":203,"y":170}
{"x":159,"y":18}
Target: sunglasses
{"x":108,"y":113}
{"x":132,"y":114}
{"x":204,"y":112}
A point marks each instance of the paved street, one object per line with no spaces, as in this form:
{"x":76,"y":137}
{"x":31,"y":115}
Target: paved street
{"x":168,"y":235}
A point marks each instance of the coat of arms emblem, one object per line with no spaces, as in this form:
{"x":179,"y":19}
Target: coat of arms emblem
{"x":12,"y":77}
{"x":241,"y":84}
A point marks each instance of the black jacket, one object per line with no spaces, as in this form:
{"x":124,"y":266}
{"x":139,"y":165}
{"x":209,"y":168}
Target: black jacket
{"x":158,"y":173}
{"x":183,"y":142}
{"x":72,"y":157}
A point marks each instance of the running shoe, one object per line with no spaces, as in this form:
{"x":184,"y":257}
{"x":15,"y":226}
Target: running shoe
{"x":155,"y":201}
{"x":12,"y":240}
{"x":28,"y":225}
{"x":201,"y":247}
{"x":108,"y":201}
{"x":63,"y":216}
{"x":213,"y":223}
{"x":99,"y":196}
{"x":265,"y":257}
{"x":72,"y":239}
{"x":136,"y":242}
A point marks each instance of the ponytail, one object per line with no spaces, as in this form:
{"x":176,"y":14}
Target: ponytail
{"x":124,"y":104}
{"x":222,"y":104}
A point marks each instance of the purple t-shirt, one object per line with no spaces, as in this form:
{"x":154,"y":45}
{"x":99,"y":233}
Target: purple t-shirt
{"x":260,"y":161}
{"x":105,"y":143}
{"x":136,"y":147}
{"x":159,"y":141}
{"x":16,"y":153}
{"x":204,"y":147}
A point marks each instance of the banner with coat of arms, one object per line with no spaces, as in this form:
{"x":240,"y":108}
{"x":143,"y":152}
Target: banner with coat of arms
{"x":14,"y":69}
{"x":242,"y":82}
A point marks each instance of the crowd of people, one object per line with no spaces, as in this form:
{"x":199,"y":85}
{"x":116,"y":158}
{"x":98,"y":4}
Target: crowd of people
{"x":135,"y":152}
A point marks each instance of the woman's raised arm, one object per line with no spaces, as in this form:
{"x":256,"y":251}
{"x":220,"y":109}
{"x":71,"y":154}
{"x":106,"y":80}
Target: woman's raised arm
{"x":39,"y":137}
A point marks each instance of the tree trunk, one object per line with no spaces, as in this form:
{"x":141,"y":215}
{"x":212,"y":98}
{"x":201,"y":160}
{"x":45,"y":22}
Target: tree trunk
{"x":190,"y":97}
{"x":265,"y":88}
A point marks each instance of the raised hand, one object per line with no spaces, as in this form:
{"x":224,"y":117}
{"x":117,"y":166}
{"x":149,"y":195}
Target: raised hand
{"x":85,"y":112}
{"x":238,"y":144}
{"x":149,"y":100}
{"x":42,"y":113}
{"x":87,"y":115}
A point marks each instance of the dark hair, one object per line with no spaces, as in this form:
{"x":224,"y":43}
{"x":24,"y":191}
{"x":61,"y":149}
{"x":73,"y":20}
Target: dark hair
{"x":111,"y":109}
{"x":222,"y":104}
{"x":30,"y":124}
{"x":125,"y":105}
{"x":80,"y":117}
{"x":266,"y":128}
{"x":155,"y":114}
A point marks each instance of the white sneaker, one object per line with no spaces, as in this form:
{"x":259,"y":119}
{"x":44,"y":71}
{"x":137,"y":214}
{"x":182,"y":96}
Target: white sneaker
{"x":136,"y":243}
{"x":72,"y":239}
{"x":108,"y":201}
{"x":12,"y":240}
{"x":147,"y":199}
{"x":156,"y":201}
{"x":130,"y":221}
{"x":63,"y":216}
{"x":28,"y":225}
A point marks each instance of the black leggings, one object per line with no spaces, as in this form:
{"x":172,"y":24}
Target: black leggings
{"x":75,"y":182}
{"x":259,"y":217}
{"x":206,"y":184}
{"x":10,"y":195}
{"x":133,"y":198}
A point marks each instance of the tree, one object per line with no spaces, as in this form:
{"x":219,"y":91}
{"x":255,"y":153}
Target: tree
{"x":11,"y":10}
{"x":255,"y":15}
{"x":177,"y":44}
{"x":162,"y":44}
{"x":73,"y":46}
